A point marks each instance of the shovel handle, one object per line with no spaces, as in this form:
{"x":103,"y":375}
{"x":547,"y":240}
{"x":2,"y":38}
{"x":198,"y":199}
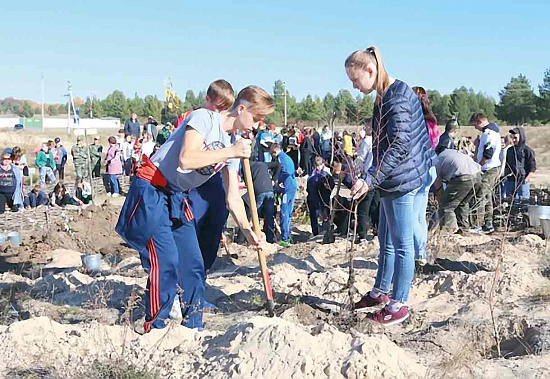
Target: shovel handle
{"x":256,"y":227}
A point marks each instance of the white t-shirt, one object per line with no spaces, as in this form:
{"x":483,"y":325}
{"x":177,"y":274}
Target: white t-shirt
{"x":209,"y":125}
{"x":127,"y":149}
{"x":365,"y":153}
{"x":492,"y":139}
{"x":147,"y":148}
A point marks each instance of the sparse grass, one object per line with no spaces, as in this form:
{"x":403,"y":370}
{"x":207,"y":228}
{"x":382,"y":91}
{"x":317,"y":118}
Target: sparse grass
{"x":468,"y":349}
{"x":5,"y":305}
{"x":118,"y":368}
{"x":542,"y":293}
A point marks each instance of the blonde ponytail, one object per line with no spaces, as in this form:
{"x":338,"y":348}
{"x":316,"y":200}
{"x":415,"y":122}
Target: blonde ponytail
{"x":360,"y":59}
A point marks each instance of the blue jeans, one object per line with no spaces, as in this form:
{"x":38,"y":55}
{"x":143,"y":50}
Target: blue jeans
{"x":127,"y":166}
{"x":46,"y":171}
{"x":265,"y":203}
{"x":267,"y":157}
{"x":396,"y":235}
{"x":421,"y":226}
{"x":113,"y":181}
{"x":287,"y":206}
{"x":523,"y":191}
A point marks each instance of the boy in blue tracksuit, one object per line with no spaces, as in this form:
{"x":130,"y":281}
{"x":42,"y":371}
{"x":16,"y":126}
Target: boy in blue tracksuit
{"x":158,"y":216}
{"x":288,"y":187}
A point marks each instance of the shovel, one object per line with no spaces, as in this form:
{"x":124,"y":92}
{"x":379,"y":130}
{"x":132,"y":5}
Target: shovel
{"x":256,"y":226}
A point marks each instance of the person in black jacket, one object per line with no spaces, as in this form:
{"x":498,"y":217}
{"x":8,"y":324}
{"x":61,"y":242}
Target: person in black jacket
{"x":264,"y":175}
{"x":131,"y":126}
{"x":319,"y":187}
{"x":402,"y":168}
{"x":520,"y":166}
{"x":446,"y":140}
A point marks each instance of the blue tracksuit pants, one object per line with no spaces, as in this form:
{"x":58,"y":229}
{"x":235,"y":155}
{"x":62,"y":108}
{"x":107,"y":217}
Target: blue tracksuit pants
{"x":160,"y":225}
{"x":210,"y":212}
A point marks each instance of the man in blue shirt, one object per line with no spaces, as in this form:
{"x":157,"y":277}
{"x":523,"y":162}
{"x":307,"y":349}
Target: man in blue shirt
{"x":287,"y":186}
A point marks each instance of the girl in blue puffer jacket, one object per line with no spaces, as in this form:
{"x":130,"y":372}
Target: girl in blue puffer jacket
{"x":401,"y":170}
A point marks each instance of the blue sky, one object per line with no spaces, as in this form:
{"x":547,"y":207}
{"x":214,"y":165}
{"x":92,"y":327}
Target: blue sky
{"x":135,"y":45}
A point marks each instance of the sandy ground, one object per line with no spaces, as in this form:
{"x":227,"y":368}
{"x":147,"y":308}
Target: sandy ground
{"x":58,"y":322}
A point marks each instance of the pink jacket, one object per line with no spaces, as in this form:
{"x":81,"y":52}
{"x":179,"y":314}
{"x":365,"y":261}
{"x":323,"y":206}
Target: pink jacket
{"x":114,"y":161}
{"x":433,"y":132}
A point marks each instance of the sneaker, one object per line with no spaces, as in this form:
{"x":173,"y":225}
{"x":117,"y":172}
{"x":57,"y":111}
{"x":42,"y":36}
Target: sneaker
{"x":476,"y":229}
{"x":284,"y":243}
{"x":386,"y":317}
{"x":368,"y":301}
{"x":488,"y":229}
{"x":115,"y":194}
{"x":421,"y":261}
{"x":139,"y":326}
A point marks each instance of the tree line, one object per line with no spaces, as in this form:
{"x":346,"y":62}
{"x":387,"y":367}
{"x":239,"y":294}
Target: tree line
{"x":518,"y":104}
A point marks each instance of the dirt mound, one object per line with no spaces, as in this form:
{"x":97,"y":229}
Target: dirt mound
{"x":261,"y":347}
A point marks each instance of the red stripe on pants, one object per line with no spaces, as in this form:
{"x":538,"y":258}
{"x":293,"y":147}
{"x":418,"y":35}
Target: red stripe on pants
{"x":154,"y":301}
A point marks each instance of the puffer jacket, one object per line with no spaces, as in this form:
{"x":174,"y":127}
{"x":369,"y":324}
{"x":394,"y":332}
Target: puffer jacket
{"x":402,"y":149}
{"x":520,"y":159}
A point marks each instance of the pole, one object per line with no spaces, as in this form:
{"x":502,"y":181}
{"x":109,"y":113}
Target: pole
{"x":333,"y":139}
{"x":42,"y":100}
{"x":256,"y":225}
{"x":284,"y":94}
{"x":69,"y":85}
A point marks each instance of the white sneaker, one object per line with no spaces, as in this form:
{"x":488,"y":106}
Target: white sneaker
{"x":115,"y":195}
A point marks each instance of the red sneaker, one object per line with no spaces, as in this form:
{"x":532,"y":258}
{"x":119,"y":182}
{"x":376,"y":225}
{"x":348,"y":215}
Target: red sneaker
{"x":368,"y":301}
{"x":386,"y":317}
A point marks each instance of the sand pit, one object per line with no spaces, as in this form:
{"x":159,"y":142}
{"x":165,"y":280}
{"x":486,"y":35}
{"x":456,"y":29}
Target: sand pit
{"x":58,"y":322}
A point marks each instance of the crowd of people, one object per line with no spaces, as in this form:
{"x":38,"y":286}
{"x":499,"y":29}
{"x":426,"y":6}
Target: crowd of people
{"x":123,"y":153}
{"x":192,"y":170}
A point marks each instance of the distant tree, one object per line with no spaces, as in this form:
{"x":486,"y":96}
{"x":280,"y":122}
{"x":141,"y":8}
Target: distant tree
{"x":191,"y":101}
{"x":85,"y":108}
{"x":440,"y":106}
{"x":277,"y":117}
{"x":62,"y":108}
{"x":136,"y":105}
{"x":16,"y":109}
{"x":116,"y":105}
{"x":52,"y":110}
{"x":97,"y":108}
{"x":320,"y":110}
{"x":543,"y":103}
{"x":459,"y":104}
{"x":329,"y":103}
{"x":152,"y":106}
{"x":517,"y":101}
{"x":485,"y":104}
{"x":346,"y":106}
{"x":366,"y":108}
{"x":26,"y":110}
